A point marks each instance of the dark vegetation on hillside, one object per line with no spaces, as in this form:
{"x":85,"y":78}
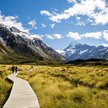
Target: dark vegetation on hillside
{"x":90,"y":62}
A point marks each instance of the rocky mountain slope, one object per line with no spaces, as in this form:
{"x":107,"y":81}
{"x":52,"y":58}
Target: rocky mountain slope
{"x":18,"y":46}
{"x":77,"y":51}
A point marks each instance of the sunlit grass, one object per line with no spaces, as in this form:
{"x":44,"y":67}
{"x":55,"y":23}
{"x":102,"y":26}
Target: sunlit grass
{"x":5,"y":86}
{"x":62,"y":86}
{"x":69,"y":86}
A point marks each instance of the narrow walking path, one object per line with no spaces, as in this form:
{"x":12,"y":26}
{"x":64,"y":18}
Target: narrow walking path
{"x":22,"y":95}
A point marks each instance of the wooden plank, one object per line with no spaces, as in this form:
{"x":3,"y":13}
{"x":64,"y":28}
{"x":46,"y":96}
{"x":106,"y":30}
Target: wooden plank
{"x":22,"y":95}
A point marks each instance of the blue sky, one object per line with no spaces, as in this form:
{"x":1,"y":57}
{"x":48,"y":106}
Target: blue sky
{"x":59,"y":22}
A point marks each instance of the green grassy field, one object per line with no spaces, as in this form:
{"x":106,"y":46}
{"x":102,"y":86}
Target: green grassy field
{"x":68,"y":86}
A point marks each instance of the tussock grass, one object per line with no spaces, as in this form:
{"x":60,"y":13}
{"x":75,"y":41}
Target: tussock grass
{"x":5,"y":86}
{"x":69,"y":86}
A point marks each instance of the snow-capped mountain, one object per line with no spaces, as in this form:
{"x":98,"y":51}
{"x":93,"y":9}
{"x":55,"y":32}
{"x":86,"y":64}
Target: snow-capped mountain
{"x":20,"y":45}
{"x":83,"y":51}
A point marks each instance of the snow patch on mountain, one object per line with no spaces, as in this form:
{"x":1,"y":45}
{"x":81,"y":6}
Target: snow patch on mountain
{"x":76,"y":51}
{"x":81,"y":52}
{"x":61,"y":51}
{"x":22,"y":34}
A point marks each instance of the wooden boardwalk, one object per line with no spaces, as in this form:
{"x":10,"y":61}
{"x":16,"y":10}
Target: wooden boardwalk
{"x":22,"y":95}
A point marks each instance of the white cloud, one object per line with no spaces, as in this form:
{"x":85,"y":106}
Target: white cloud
{"x":35,"y":36}
{"x":72,"y":1}
{"x":95,"y":35}
{"x":58,"y":36}
{"x":80,"y":23}
{"x":90,"y":20}
{"x":32,"y":24}
{"x":52,"y":25}
{"x":105,"y":35}
{"x":74,"y":36}
{"x":44,"y":25}
{"x":85,"y":8}
{"x":78,"y":18}
{"x":60,"y":51}
{"x":101,"y":17}
{"x":11,"y":21}
{"x":54,"y":36}
{"x":49,"y":37}
{"x":45,"y":12}
{"x":57,"y":18}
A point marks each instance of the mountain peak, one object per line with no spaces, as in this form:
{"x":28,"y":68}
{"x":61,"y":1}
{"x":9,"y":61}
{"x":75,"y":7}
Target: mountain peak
{"x":72,"y":45}
{"x":76,"y":51}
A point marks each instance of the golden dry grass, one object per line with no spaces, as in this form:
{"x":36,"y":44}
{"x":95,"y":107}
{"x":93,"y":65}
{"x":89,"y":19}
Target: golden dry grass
{"x":5,"y":86}
{"x":62,"y":86}
{"x":69,"y":86}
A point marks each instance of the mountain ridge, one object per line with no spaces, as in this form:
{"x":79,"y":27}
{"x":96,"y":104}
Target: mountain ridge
{"x":24,"y":46}
{"x":77,"y":50}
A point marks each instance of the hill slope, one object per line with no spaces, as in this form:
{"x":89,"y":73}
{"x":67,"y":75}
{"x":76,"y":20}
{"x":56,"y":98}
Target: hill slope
{"x":18,"y":46}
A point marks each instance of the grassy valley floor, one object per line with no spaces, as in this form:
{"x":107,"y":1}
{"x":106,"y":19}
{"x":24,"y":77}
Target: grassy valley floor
{"x":62,"y":86}
{"x":68,"y":86}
